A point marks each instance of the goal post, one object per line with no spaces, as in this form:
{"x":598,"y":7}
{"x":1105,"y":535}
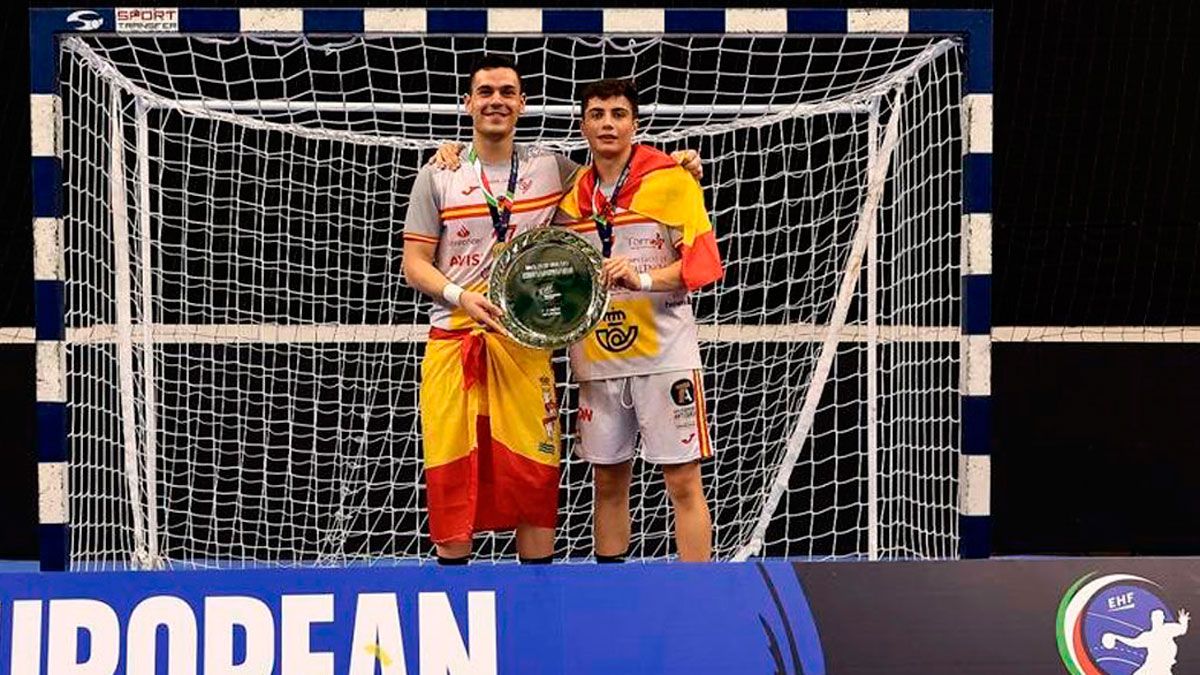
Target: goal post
{"x":228,"y":358}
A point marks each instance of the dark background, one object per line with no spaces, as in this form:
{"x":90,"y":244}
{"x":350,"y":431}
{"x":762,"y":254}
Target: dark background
{"x":1096,"y":223}
{"x":901,"y":636}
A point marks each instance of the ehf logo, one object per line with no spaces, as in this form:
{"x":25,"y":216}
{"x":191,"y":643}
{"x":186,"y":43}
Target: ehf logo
{"x":85,"y":20}
{"x":1118,"y":624}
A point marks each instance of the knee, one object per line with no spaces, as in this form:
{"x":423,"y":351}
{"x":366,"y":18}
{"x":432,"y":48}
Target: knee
{"x":612,"y":482}
{"x":683,"y":484}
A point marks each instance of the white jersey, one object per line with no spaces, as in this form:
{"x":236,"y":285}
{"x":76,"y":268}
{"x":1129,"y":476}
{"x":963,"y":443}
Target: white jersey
{"x":642,"y":333}
{"x":447,"y":208}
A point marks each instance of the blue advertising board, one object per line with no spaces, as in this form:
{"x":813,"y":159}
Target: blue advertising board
{"x":654,"y":618}
{"x":1091,"y":616}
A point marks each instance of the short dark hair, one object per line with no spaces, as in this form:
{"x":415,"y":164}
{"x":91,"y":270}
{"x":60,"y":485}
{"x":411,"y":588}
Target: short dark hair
{"x":490,"y":62}
{"x":609,"y":89}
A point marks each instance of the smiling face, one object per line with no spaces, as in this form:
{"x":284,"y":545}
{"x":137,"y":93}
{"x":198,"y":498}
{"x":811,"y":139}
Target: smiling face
{"x":495,"y":101}
{"x":609,"y":125}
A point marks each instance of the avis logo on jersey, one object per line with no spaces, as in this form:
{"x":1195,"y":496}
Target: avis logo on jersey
{"x":465,"y":259}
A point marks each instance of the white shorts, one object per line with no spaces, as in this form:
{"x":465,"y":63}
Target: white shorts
{"x":666,"y":409}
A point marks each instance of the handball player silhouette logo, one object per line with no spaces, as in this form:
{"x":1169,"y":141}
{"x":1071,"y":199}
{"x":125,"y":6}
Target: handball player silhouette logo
{"x":1118,"y":624}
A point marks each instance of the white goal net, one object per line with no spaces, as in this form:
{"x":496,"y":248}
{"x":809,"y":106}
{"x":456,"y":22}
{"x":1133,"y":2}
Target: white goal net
{"x":243,"y":354}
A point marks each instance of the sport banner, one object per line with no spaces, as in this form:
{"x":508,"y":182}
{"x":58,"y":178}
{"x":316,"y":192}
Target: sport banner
{"x":1080,"y":616}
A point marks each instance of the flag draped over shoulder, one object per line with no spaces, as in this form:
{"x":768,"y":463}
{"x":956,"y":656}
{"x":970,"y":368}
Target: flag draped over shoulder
{"x":659,"y":189}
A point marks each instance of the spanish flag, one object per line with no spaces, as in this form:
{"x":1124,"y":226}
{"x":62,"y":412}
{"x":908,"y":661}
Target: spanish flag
{"x":659,"y":189}
{"x":490,"y":434}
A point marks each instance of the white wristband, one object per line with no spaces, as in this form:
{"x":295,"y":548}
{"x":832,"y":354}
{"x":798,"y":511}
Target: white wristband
{"x":646,"y":281}
{"x":451,"y":293}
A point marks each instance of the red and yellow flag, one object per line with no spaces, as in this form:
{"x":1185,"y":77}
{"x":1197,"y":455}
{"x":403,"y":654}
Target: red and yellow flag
{"x":659,"y":189}
{"x":491,"y":440}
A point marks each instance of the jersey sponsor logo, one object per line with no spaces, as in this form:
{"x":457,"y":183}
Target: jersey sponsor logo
{"x":470,"y":189}
{"x":683,"y":393}
{"x":523,"y":184}
{"x":628,"y":331}
{"x":465,"y":259}
{"x":613,"y":335}
{"x":643,"y":243}
{"x":462,"y":238}
{"x":585,"y":414}
{"x":85,"y":20}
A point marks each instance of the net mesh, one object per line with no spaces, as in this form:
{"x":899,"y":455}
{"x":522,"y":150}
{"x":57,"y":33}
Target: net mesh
{"x":243,"y":354}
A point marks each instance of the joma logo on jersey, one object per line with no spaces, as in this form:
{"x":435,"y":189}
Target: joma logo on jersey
{"x":465,"y":259}
{"x":614,"y":336}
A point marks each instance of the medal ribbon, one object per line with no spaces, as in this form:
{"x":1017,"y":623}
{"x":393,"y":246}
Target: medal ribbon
{"x":604,"y":213}
{"x":500,"y":208}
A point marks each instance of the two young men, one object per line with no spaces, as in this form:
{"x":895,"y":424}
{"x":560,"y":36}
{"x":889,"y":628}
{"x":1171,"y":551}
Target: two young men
{"x":490,"y":463}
